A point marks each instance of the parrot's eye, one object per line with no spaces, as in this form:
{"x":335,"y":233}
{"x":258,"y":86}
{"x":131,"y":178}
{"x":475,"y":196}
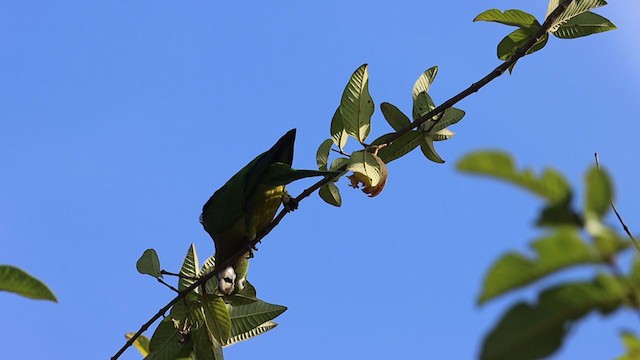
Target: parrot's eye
{"x":227,"y":279}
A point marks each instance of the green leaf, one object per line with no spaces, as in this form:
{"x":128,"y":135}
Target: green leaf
{"x":208,"y":266}
{"x":424,"y":82}
{"x":167,"y":343}
{"x":584,"y":24}
{"x":632,"y":346}
{"x":246,"y":296}
{"x":217,"y":318}
{"x":245,"y":318}
{"x":149,"y":263}
{"x":509,"y":17}
{"x":426,"y":145}
{"x":574,"y":9}
{"x":330,"y":194}
{"x":394,"y":116}
{"x":551,"y":185}
{"x":536,"y":331}
{"x":338,"y":133}
{"x":322,"y":155}
{"x":141,"y":343}
{"x":15,"y":280}
{"x":560,"y":250}
{"x":599,"y":192}
{"x":365,"y":163}
{"x":261,"y":329}
{"x":189,"y":269}
{"x":508,"y":46}
{"x":422,"y":104}
{"x":451,"y":116}
{"x":356,"y":106}
{"x":401,"y":146}
{"x":338,"y":163}
{"x":205,"y":346}
{"x":559,"y":214}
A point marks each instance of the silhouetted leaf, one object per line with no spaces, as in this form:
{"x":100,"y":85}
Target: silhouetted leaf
{"x":426,"y":145}
{"x":205,"y":347}
{"x":167,"y":343}
{"x":322,"y":155}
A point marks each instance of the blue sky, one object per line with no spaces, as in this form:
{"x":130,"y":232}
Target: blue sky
{"x":118,"y":120}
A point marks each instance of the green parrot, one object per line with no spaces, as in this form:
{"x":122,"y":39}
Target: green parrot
{"x":246,"y":204}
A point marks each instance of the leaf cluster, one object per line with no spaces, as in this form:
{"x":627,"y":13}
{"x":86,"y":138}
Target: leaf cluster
{"x":571,"y":239}
{"x":203,"y":322}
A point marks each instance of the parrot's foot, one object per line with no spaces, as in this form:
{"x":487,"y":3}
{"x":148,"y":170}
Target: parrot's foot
{"x":289,"y":203}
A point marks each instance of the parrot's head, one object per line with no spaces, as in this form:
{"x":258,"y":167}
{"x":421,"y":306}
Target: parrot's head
{"x":229,"y":283}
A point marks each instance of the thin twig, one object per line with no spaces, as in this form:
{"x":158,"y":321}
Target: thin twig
{"x":167,"y":285}
{"x":519,"y":53}
{"x":181,"y":276}
{"x":613,"y":206}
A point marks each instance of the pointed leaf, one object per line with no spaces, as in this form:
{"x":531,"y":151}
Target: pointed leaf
{"x":18,"y":281}
{"x":508,"y":46}
{"x":189,"y":269}
{"x":149,"y":263}
{"x":261,"y":329}
{"x":574,"y":9}
{"x":599,"y":192}
{"x":322,"y":155}
{"x":584,"y":24}
{"x":394,"y":116}
{"x":422,"y":104}
{"x":560,"y":250}
{"x":426,"y":145}
{"x":338,"y":133}
{"x":330,"y":194}
{"x":356,"y":106}
{"x":167,"y":343}
{"x":551,"y":185}
{"x":424,"y":82}
{"x":217,"y":318}
{"x":338,"y":163}
{"x":398,"y":148}
{"x":517,"y":18}
{"x":245,"y":318}
{"x":451,"y":116}
{"x":205,"y":346}
{"x":141,"y":343}
{"x":536,"y":331}
{"x":246,"y":296}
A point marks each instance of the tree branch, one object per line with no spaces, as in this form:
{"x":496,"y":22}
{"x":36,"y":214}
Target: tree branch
{"x":519,"y":53}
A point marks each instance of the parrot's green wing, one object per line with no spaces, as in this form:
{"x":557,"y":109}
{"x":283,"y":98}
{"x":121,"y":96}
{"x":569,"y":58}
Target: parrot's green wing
{"x":226,"y":205}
